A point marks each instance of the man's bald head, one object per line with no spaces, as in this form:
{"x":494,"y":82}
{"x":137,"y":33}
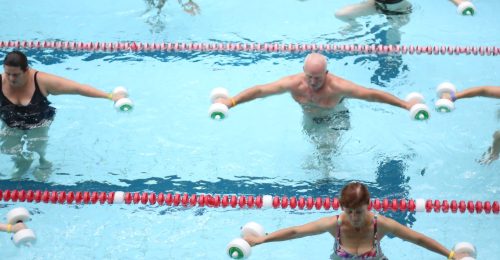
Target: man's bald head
{"x":315,"y":70}
{"x":315,"y":63}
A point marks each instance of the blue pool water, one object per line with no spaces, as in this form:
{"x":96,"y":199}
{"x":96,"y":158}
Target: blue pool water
{"x":168,"y":143}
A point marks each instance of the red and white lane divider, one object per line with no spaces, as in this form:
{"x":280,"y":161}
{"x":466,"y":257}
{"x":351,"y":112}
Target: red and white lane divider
{"x":254,"y":47}
{"x":241,"y":201}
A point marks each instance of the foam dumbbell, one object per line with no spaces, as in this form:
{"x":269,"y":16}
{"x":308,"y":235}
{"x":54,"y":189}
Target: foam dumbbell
{"x":445,"y":105}
{"x":24,"y":236}
{"x":218,"y":111}
{"x":124,"y":103}
{"x":466,"y":8}
{"x":238,"y":248}
{"x":419,"y":111}
{"x":465,"y":248}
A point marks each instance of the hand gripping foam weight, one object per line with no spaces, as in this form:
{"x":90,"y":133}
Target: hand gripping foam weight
{"x":467,"y":248}
{"x":218,"y":111}
{"x":23,"y":236}
{"x":445,"y":105}
{"x":418,"y":111}
{"x":123,"y":104}
{"x":239,"y":248}
{"x":466,"y":8}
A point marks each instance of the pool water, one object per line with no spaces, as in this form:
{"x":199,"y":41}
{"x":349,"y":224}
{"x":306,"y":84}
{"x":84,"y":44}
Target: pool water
{"x":169,"y":144}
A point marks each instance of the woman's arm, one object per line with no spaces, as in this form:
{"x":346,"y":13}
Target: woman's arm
{"x":482,"y":91}
{"x":313,"y":228}
{"x":56,"y":85}
{"x":410,"y":235}
{"x":12,"y":228}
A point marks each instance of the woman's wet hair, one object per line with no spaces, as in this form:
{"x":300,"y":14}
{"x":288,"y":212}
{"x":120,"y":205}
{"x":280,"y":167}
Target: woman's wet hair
{"x":354,"y":195}
{"x":16,"y":59}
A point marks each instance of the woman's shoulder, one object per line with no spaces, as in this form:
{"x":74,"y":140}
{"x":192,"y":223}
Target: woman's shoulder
{"x":330,"y":222}
{"x":386,"y":224}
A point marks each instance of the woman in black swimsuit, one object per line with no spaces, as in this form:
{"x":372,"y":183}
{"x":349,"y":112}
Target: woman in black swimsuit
{"x":26,"y":113}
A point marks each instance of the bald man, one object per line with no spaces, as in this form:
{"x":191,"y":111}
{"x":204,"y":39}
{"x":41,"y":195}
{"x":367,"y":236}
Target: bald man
{"x":320,"y":95}
{"x":316,"y":90}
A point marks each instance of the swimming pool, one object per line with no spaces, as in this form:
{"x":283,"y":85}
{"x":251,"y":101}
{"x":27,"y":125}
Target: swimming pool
{"x":168,"y":144}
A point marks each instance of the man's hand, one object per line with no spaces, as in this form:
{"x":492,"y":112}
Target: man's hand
{"x":253,"y":240}
{"x":117,"y":96}
{"x":225,"y":101}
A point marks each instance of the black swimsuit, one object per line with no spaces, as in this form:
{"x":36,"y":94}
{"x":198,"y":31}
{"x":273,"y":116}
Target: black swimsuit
{"x":388,"y":1}
{"x":337,"y":119}
{"x":334,"y":120}
{"x":381,"y":6}
{"x":36,"y":114}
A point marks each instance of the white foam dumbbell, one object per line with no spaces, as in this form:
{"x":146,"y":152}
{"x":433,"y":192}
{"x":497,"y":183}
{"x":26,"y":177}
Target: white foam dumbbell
{"x":419,"y":111}
{"x":445,"y":105}
{"x":218,"y":111}
{"x":465,"y":248}
{"x":124,"y":103}
{"x":238,"y":248}
{"x":18,"y":214}
{"x":466,"y":8}
{"x":24,"y":236}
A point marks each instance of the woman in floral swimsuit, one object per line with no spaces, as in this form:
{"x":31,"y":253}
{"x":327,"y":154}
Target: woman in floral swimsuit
{"x":357,"y":231}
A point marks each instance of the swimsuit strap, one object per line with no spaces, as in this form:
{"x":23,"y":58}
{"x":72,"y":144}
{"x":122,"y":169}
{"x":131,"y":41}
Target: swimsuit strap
{"x":338,"y":228}
{"x":339,"y":222}
{"x":38,"y":92}
{"x":38,"y":97}
{"x":3,"y":99}
{"x":375,"y":242}
{"x":36,"y":81}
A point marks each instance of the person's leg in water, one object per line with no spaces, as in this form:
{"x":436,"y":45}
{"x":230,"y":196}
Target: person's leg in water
{"x":397,"y":13}
{"x":325,"y":133}
{"x":12,"y":143}
{"x":37,"y":139}
{"x":393,"y":34}
{"x":349,"y":13}
{"x":493,"y":151}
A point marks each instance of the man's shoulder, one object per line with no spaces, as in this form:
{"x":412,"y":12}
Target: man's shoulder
{"x":339,"y":83}
{"x":295,"y":77}
{"x":293,"y":81}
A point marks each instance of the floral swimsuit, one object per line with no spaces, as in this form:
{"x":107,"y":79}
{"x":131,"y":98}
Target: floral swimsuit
{"x":374,"y":254}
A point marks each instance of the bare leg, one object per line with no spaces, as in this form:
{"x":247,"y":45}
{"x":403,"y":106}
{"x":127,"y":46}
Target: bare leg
{"x":351,"y":12}
{"x":156,"y":19}
{"x":493,"y":152}
{"x":495,"y":148}
{"x":397,"y":14}
{"x":190,"y":7}
{"x":37,"y":142}
{"x":325,"y":133}
{"x":12,"y":143}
